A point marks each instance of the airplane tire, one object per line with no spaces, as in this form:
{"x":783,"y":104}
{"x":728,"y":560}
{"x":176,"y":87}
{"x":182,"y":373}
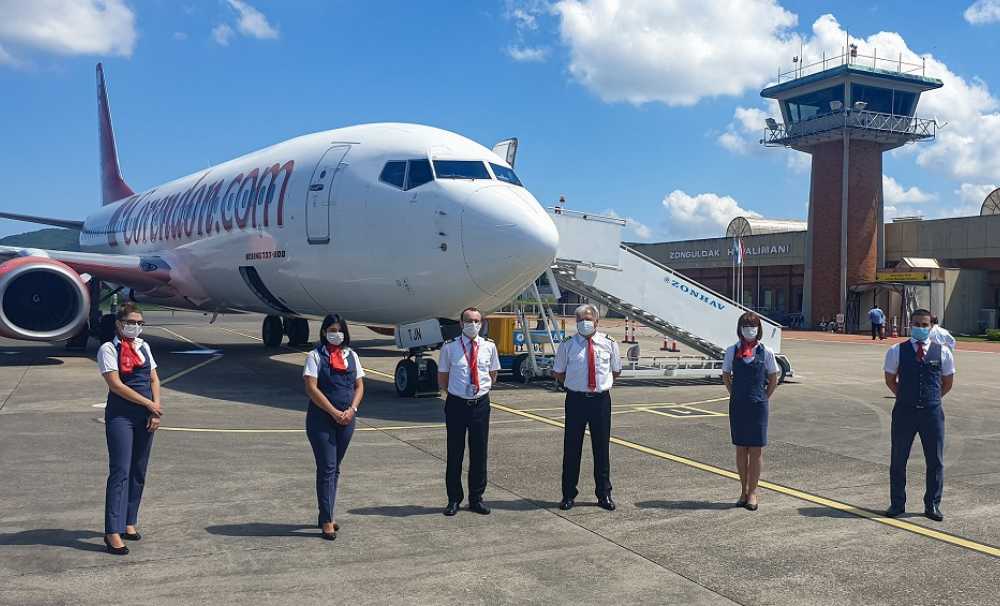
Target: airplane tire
{"x":297,"y":330}
{"x":522,"y":369}
{"x":406,"y":378}
{"x":429,"y":382}
{"x":783,"y":365}
{"x":272,"y":332}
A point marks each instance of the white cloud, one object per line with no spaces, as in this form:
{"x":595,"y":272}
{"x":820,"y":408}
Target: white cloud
{"x":700,"y":216}
{"x":895,"y":194}
{"x":982,"y":12}
{"x":252,"y":22}
{"x":7,"y":59}
{"x":743,"y":133}
{"x":798,"y":162}
{"x":526,"y":54}
{"x":180,"y":36}
{"x":674,"y":52}
{"x":970,"y":199}
{"x":634,"y":229}
{"x":66,"y":27}
{"x":222,"y":34}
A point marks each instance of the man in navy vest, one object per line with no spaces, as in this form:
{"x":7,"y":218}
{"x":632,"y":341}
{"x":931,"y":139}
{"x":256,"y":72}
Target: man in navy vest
{"x":920,"y":372}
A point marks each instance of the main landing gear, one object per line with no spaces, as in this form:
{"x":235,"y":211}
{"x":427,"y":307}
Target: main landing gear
{"x":416,"y":376}
{"x":274,"y":329}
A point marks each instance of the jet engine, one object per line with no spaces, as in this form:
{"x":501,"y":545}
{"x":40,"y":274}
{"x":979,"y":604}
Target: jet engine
{"x":41,"y":299}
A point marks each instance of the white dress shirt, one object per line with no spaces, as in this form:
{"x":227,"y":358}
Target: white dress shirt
{"x":770,"y":363}
{"x":892,"y":358}
{"x":571,"y":358}
{"x":941,"y":336}
{"x":107,"y":355}
{"x":454,"y":360}
{"x":313,"y":361}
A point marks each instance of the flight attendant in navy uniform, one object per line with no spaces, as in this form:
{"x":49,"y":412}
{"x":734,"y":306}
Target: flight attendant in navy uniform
{"x":334,"y":383}
{"x":587,"y":365}
{"x":468,"y":366}
{"x":919,"y":371}
{"x":750,"y":373}
{"x":131,"y":416}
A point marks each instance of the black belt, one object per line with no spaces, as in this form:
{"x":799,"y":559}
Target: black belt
{"x":588,"y":394}
{"x":469,"y":401}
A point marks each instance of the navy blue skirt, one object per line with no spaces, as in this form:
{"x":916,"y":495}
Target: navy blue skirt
{"x":748,"y":422}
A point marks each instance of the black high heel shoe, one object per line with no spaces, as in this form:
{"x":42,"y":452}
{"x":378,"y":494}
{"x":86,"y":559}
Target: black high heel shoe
{"x":131,"y":536}
{"x":115,"y":550}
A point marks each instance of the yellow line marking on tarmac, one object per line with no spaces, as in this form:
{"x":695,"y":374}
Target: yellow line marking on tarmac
{"x":371,"y":428}
{"x":944,"y":537}
{"x":704,"y":413}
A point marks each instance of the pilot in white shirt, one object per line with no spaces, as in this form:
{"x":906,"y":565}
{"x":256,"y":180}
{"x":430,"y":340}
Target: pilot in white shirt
{"x":468,"y":366}
{"x":587,"y":365}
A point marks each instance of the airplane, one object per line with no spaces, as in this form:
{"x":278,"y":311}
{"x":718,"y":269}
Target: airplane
{"x":390,"y":224}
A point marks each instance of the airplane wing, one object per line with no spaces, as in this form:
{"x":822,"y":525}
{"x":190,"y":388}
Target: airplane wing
{"x":43,"y":220}
{"x":140,"y":273}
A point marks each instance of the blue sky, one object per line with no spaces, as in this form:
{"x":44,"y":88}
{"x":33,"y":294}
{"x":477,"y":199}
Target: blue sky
{"x":650,"y":110}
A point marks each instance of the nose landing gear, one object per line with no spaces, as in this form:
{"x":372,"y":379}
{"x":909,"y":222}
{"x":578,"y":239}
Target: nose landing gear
{"x":416,"y":376}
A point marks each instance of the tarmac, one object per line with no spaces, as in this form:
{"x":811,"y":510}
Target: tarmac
{"x":229,"y":512}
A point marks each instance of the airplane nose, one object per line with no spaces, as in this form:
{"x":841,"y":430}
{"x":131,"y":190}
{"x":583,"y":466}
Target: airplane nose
{"x":508,"y":240}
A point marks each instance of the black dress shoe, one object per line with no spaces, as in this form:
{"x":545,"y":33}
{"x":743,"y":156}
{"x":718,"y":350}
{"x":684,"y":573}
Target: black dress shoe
{"x":451,"y":509}
{"x":934,"y":512}
{"x":741,"y":503}
{"x":115,"y":550}
{"x":566,"y":504}
{"x":893,"y":512}
{"x":479,"y":508}
{"x":750,"y":506}
{"x":329,"y":536}
{"x":131,"y":536}
{"x":606,"y":503}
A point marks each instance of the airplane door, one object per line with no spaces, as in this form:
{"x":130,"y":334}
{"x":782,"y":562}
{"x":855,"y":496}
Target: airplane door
{"x":321,"y":194}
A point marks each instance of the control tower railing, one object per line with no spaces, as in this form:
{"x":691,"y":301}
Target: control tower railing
{"x":897,"y":128}
{"x":872,"y":63}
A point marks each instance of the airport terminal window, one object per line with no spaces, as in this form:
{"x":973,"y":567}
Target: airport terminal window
{"x":460,"y":169}
{"x":883,"y":100}
{"x":393,"y":174}
{"x":816,"y":103}
{"x":505,"y":174}
{"x":419,"y":173}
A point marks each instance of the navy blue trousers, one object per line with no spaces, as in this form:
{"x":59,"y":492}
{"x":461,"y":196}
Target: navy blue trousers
{"x":129,"y":443}
{"x":329,"y":442}
{"x":907,"y":422}
{"x":583,"y":410}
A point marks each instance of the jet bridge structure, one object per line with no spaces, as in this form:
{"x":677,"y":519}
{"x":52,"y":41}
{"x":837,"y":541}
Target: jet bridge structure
{"x":592,"y":261}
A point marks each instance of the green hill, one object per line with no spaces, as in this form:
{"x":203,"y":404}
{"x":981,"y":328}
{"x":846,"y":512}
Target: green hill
{"x":53,"y":238}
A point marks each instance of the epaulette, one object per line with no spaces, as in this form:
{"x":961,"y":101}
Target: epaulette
{"x":452,"y":340}
{"x":488,"y":339}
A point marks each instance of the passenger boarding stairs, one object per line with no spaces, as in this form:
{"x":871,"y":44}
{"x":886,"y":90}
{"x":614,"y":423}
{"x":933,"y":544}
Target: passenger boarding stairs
{"x":592,"y":262}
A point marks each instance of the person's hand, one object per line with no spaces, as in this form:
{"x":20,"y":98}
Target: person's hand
{"x":338,"y":417}
{"x":156,"y":409}
{"x":349,"y":415}
{"x":153,"y":424}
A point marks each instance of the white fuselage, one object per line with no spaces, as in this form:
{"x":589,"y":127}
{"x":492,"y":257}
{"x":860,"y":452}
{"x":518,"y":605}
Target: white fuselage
{"x":306,"y":227}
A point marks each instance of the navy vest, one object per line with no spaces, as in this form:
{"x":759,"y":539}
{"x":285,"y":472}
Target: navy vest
{"x":919,"y":381}
{"x":750,"y":378}
{"x":138,"y":380}
{"x":338,"y":387}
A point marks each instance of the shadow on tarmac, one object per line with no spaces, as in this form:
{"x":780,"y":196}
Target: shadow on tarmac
{"x":54,"y":537}
{"x":406,"y":511}
{"x":685,"y":505}
{"x":264,"y":529}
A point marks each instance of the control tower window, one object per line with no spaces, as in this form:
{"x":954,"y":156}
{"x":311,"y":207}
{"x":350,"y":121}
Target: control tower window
{"x":884,"y":100}
{"x":419,"y":173}
{"x":816,"y":103}
{"x":460,"y":169}
{"x":393,"y":173}
{"x":505,"y":174}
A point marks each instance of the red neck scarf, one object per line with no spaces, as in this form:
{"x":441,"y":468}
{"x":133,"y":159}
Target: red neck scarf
{"x":746,"y":349}
{"x":337,"y":363}
{"x":128,"y":358}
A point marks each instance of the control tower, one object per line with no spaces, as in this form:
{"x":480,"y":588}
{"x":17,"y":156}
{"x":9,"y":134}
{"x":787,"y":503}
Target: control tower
{"x":846,"y":111}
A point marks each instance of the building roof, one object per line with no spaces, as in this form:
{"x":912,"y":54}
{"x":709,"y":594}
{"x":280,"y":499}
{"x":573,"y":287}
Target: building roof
{"x":755,"y":226}
{"x":852,"y":69}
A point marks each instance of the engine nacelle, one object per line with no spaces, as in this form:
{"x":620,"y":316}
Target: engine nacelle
{"x":41,"y":300}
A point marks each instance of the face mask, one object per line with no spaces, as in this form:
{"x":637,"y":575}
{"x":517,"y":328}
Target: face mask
{"x":471,"y":329}
{"x":585,"y":327}
{"x":920,"y":333}
{"x":131,"y":331}
{"x":334,"y":338}
{"x":749,"y":332}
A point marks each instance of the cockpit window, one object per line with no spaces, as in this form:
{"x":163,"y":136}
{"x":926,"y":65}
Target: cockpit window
{"x":393,"y":173}
{"x":419,"y":173}
{"x":505,"y":174}
{"x":460,"y":169}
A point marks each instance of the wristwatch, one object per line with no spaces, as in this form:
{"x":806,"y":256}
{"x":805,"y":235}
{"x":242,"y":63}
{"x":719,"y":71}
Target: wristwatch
{"x":355,"y":409}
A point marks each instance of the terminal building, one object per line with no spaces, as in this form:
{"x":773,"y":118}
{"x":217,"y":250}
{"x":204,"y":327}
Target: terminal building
{"x":846,"y":112}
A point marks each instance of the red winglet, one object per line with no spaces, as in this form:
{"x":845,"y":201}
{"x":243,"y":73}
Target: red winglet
{"x":113,"y":187}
